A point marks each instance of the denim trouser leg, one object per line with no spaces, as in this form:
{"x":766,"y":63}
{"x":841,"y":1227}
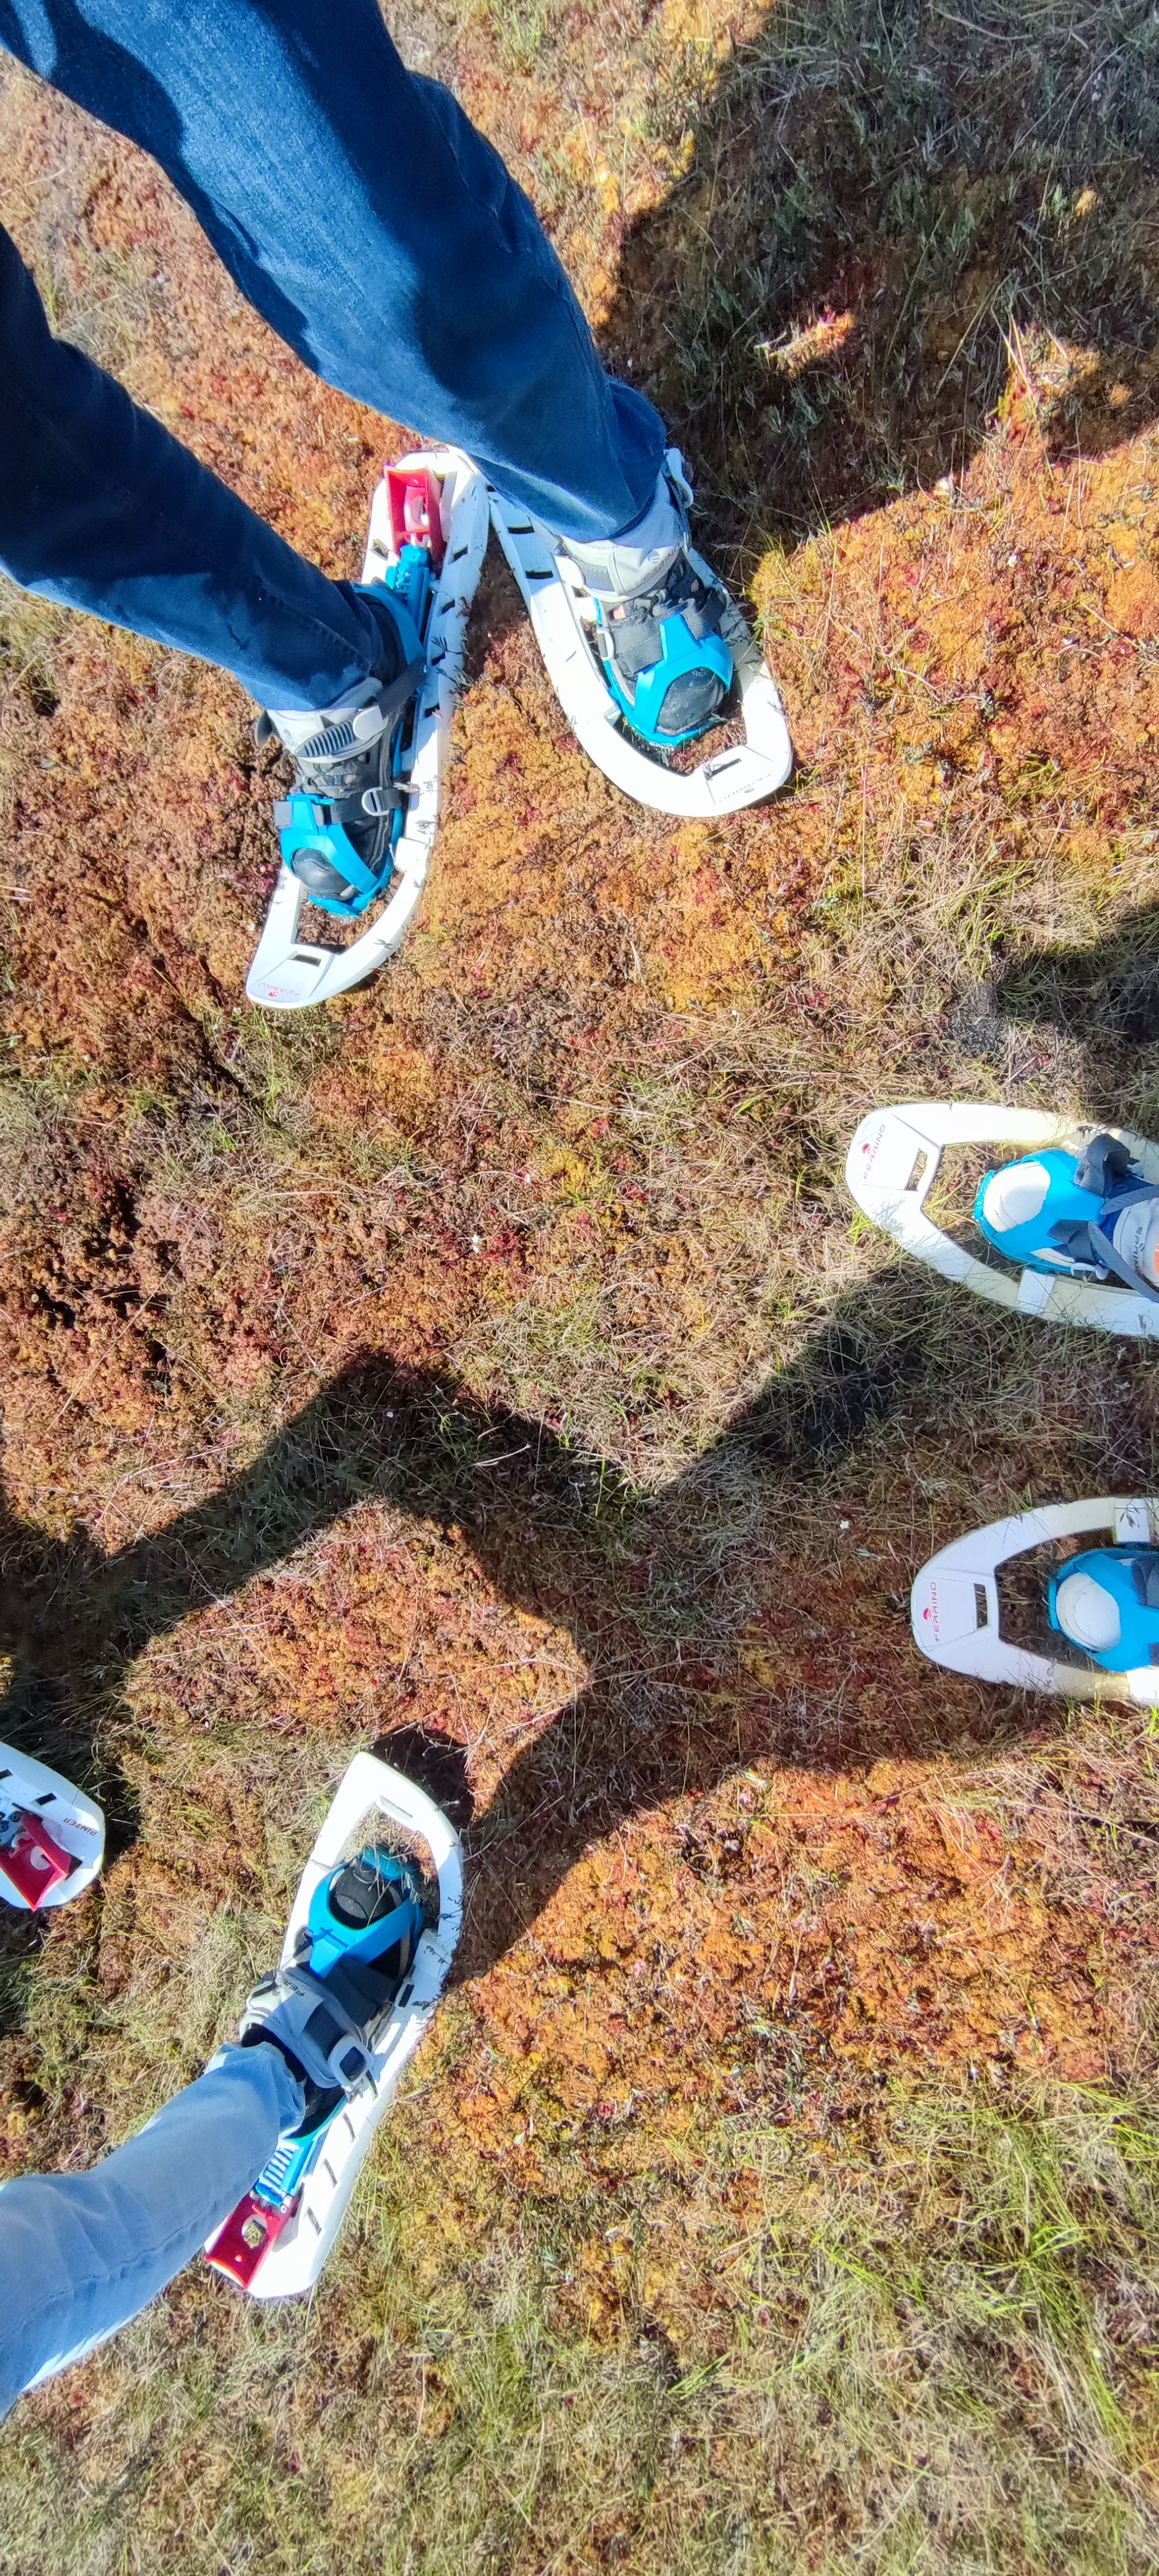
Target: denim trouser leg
{"x":101,"y":508}
{"x":82,"y":2253}
{"x":382,"y":237}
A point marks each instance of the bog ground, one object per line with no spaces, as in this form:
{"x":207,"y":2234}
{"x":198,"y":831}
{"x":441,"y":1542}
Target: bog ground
{"x":491,"y":1368}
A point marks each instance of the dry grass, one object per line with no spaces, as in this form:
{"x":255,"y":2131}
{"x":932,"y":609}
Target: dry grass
{"x":927,"y":2345}
{"x":494,"y":1365}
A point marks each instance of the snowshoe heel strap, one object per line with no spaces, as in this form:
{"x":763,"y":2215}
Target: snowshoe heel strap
{"x":328,"y":2042}
{"x":364,"y":724}
{"x":374,"y":802}
{"x":390,"y":701}
{"x":364,"y":1987}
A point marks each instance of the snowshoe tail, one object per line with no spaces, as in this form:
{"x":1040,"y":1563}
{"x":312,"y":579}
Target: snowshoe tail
{"x":742,"y":774}
{"x":276,"y":2241}
{"x":435,"y":501}
{"x":52,"y":1838}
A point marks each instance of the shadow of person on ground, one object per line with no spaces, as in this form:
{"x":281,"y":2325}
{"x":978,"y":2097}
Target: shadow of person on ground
{"x":656,"y":1589}
{"x":879,"y":202}
{"x":1103,"y":1000}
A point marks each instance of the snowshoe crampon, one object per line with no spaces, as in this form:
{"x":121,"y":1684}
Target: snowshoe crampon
{"x":894,"y":1159}
{"x":741,"y":774}
{"x":52,"y":1838}
{"x":428,"y":535}
{"x":1091,"y":1613}
{"x":276,"y":2241}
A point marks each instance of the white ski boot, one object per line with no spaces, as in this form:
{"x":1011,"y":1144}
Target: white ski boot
{"x":361,"y":1970}
{"x":52,"y":1838}
{"x":359,"y":828}
{"x":646,"y":649}
{"x":1074,"y":1221}
{"x":1097,"y":1634}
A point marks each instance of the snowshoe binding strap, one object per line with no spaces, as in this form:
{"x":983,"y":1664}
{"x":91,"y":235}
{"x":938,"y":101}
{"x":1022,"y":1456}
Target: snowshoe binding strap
{"x":1107,"y":1170}
{"x":375,"y":803}
{"x":665,"y":657}
{"x":359,"y":729}
{"x":1102,"y":1164}
{"x":306,"y":2017}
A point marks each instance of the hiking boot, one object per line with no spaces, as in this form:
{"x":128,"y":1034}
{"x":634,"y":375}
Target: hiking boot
{"x":655,"y":620}
{"x":347,"y":805}
{"x":324,"y":2010}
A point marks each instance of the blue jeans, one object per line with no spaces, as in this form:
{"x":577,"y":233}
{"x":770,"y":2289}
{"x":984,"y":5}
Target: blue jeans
{"x":371,"y":225}
{"x":82,"y":2253}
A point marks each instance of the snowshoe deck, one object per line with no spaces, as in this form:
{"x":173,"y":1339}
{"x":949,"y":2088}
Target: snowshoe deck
{"x":956,"y":1611}
{"x":52,"y":1838}
{"x":741,"y":774}
{"x":291,"y":974}
{"x":277,"y":2240}
{"x":890,"y":1169}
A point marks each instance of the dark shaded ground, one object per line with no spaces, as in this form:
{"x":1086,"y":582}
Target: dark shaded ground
{"x":932,"y":182}
{"x":656,"y":1591}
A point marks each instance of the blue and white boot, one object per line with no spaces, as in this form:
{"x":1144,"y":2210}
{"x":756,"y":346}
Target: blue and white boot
{"x":367,"y":1951}
{"x":350,"y":1960}
{"x":339,"y":824}
{"x":970,"y":1613}
{"x":1076,"y":1216}
{"x":656,"y":623}
{"x":647,"y":651}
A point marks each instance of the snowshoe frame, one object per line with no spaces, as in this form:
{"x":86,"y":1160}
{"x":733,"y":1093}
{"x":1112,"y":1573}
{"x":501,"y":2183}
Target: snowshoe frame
{"x":289,"y":974}
{"x":890,"y":1169}
{"x":956,"y":1614}
{"x":290,"y":2252}
{"x":741,"y":775}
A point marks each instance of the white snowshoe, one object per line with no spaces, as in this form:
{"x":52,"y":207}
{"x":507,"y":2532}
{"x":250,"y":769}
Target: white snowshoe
{"x":52,"y":1838}
{"x":1060,"y":1219}
{"x":277,"y":2239}
{"x":428,"y":535}
{"x":1099,"y":1626}
{"x":633,"y":757}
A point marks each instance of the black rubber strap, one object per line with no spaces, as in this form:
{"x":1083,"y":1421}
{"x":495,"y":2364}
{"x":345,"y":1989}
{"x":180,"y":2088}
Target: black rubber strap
{"x":398,"y":693}
{"x":338,"y":741}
